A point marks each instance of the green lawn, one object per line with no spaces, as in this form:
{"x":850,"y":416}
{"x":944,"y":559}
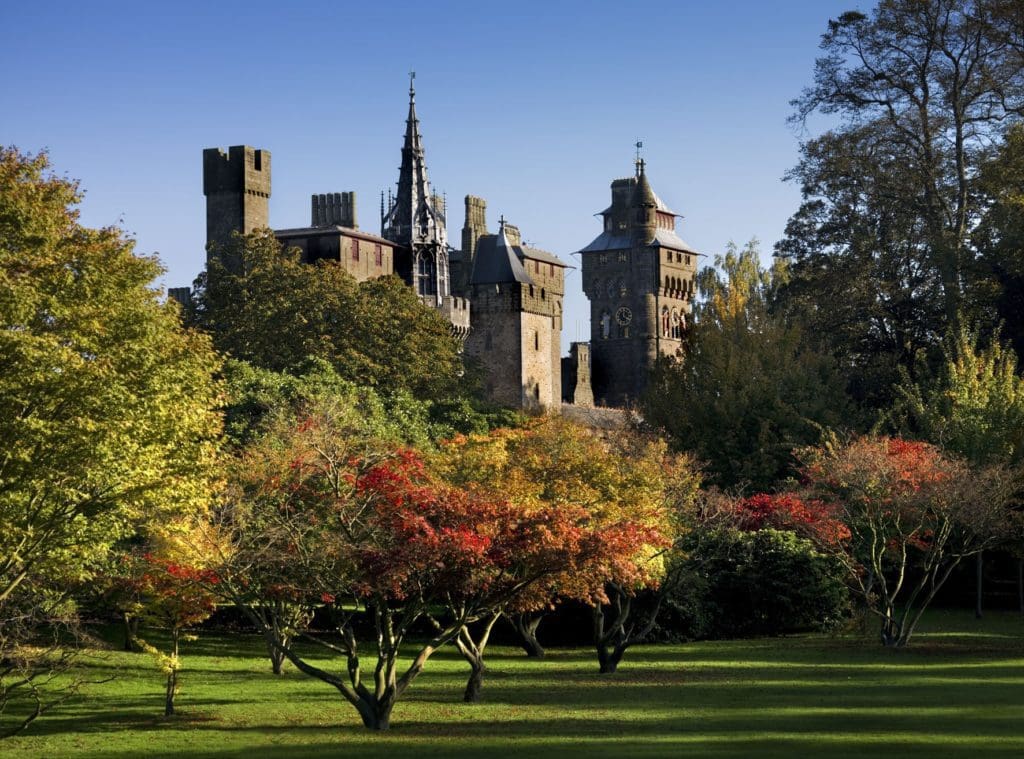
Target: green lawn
{"x":958,"y":690}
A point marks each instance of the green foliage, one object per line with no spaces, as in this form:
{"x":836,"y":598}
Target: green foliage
{"x":882,"y":257}
{"x":106,"y":404}
{"x":973,"y":405}
{"x":107,"y":413}
{"x":269,"y":308}
{"x":765,"y":582}
{"x":748,"y":390}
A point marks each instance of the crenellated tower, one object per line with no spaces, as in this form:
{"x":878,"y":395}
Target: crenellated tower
{"x":237,"y":189}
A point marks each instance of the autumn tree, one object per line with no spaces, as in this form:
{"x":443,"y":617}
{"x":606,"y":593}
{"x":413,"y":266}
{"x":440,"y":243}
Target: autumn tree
{"x":629,"y":488}
{"x":275,"y":311}
{"x":749,"y":389}
{"x":365,"y":530}
{"x":914,"y":513}
{"x":172,"y":593}
{"x":107,"y":405}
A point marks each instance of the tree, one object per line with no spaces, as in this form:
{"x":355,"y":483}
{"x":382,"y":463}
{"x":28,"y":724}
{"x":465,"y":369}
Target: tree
{"x":749,"y":389}
{"x":107,"y":405}
{"x":628,"y":487}
{"x":366,"y":530}
{"x":973,"y":406}
{"x":275,"y":311}
{"x":881,"y":250}
{"x":914,"y":513}
{"x":172,"y":595}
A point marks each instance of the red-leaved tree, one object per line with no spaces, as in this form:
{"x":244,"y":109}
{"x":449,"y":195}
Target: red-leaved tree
{"x":368,"y":531}
{"x":913,"y":512}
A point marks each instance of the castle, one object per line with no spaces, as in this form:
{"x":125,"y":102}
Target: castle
{"x":502,"y":298}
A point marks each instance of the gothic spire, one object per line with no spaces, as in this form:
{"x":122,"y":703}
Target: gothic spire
{"x":413,"y":218}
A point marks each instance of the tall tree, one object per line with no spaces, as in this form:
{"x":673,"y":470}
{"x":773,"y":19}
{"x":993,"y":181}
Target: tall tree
{"x":881,"y":249}
{"x":749,"y":389}
{"x":107,"y":405}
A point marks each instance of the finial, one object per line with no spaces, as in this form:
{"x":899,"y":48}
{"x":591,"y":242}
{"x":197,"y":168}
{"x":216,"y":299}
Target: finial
{"x":639,"y":161}
{"x":501,"y":222}
{"x":412,"y":89}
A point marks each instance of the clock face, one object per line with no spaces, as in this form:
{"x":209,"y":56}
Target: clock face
{"x":623,"y":316}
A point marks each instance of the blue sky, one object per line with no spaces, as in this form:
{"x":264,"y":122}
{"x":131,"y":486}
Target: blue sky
{"x":533,"y":105}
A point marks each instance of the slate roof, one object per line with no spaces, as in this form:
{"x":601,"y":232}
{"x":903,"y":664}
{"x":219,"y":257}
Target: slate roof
{"x":664,"y":237}
{"x":497,"y":261}
{"x":329,"y":230}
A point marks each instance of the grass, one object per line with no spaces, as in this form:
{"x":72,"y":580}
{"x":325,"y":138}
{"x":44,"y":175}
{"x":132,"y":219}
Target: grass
{"x":957,"y":691}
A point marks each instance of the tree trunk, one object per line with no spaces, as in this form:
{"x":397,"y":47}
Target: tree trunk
{"x":978,"y":581}
{"x":131,"y":631}
{"x":475,"y":683}
{"x":526,"y":625}
{"x":608,"y":658}
{"x":1020,"y":585}
{"x":376,"y":715}
{"x":891,"y":633}
{"x":276,"y":654}
{"x":172,"y":676}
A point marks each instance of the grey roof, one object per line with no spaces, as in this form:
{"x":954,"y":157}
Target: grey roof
{"x":669,"y":239}
{"x":497,"y":261}
{"x":333,"y":229}
{"x":525,"y":251}
{"x":664,"y":237}
{"x":608,"y":241}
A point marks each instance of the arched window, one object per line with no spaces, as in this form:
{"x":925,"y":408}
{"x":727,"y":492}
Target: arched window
{"x":666,"y":322}
{"x":427,"y":275}
{"x":677,"y":332}
{"x":606,"y":325}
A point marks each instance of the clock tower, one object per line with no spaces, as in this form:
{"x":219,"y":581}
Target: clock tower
{"x":639,"y":277}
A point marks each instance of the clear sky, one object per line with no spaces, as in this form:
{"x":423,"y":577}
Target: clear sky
{"x":534,"y":106}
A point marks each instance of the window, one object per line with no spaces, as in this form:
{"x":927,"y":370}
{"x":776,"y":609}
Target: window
{"x":355,"y":250}
{"x":427,"y":274}
{"x":551,"y":270}
{"x":687,"y":260}
{"x":543,"y":294}
{"x":622,"y":256}
{"x":536,"y":267}
{"x":531,"y":291}
{"x":378,"y":255}
{"x":536,"y":340}
{"x":666,"y":322}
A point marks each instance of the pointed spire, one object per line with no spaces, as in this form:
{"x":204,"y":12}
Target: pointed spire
{"x":412,"y":218}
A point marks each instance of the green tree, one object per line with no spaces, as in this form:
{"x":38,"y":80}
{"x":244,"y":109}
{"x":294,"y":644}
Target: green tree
{"x":107,"y":405}
{"x":881,"y":250}
{"x":275,"y":311}
{"x":748,"y":390}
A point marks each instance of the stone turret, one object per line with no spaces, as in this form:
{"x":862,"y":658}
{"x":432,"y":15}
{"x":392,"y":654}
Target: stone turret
{"x":237,"y":189}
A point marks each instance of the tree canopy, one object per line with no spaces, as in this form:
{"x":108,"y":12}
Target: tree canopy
{"x":274,"y":311}
{"x":749,"y":388}
{"x":108,"y":414}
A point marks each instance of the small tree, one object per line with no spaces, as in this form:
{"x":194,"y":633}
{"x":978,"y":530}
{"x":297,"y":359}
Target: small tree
{"x":914,"y":513}
{"x":172,"y":596}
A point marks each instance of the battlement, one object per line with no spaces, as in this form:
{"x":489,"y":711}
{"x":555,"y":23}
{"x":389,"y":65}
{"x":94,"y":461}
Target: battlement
{"x":334,"y":209}
{"x":242,"y":169}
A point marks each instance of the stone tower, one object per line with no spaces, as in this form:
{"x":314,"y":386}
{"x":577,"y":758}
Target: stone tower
{"x":237,"y":189}
{"x":639,"y":277}
{"x":516,"y":296}
{"x":415,"y":220}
